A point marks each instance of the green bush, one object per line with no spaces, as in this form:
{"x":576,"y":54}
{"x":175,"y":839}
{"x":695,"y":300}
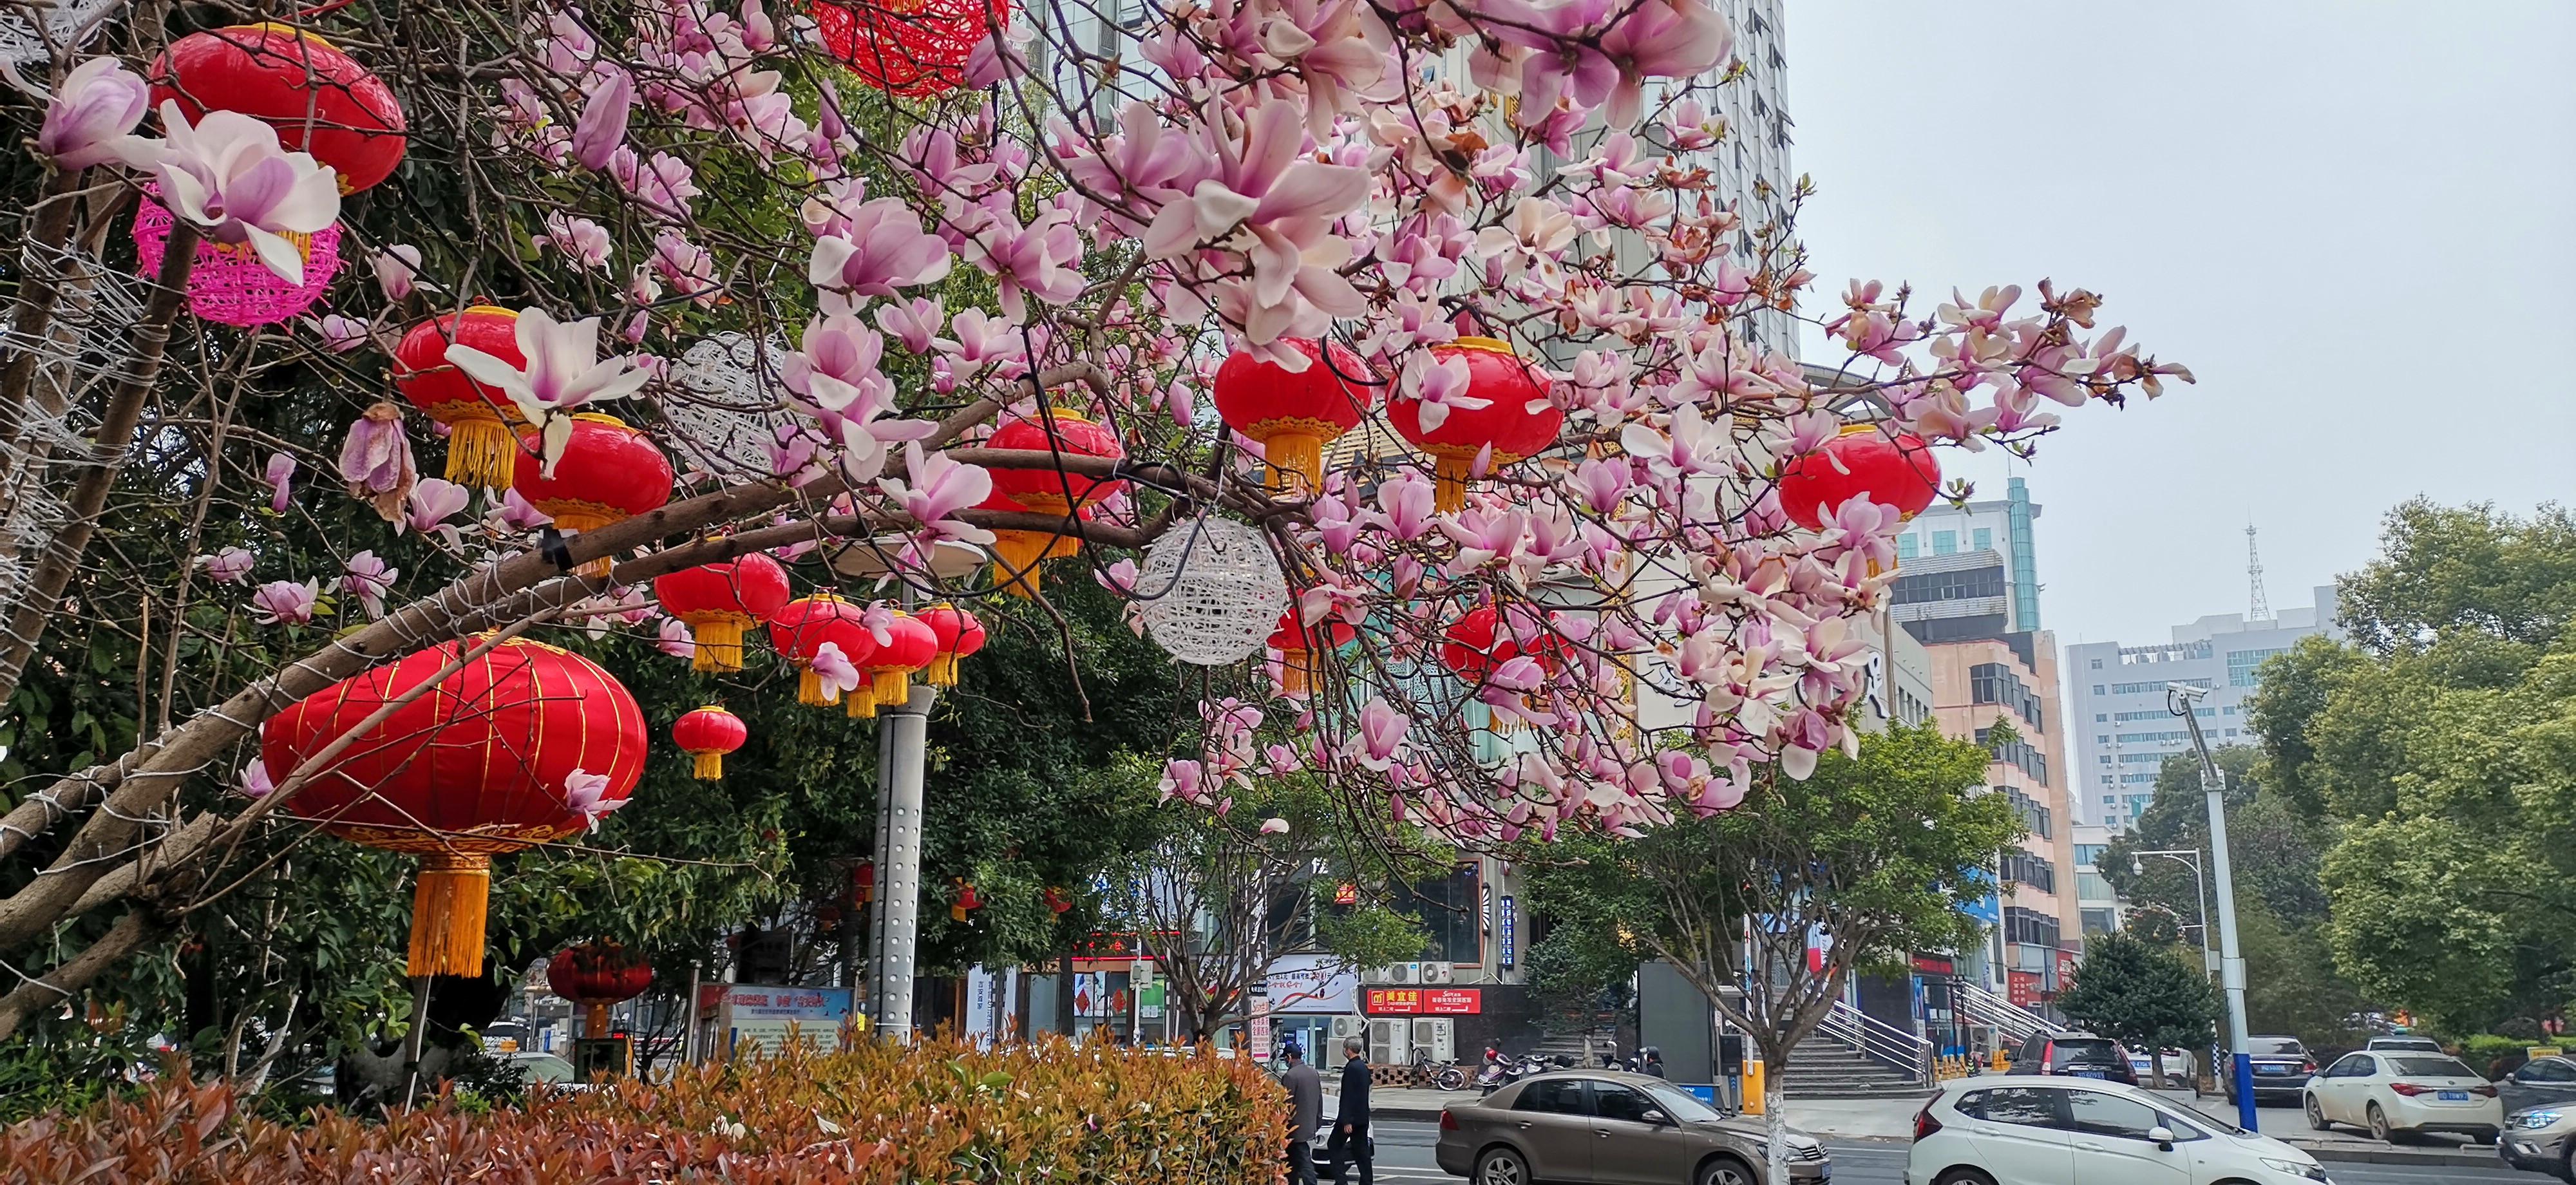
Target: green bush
{"x":943,"y":1111}
{"x":2495,"y":1055}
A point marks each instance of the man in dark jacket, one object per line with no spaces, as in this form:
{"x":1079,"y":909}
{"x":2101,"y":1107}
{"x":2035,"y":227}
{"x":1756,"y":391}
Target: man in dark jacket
{"x":1350,"y":1142}
{"x":1305,"y":1110}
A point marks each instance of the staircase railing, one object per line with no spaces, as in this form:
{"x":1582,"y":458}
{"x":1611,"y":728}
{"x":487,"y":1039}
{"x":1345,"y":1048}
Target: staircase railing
{"x":1982,"y":1007}
{"x":1898,"y":1049}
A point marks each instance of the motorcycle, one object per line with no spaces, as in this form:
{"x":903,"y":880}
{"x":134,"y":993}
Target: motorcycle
{"x":1441,"y":1075}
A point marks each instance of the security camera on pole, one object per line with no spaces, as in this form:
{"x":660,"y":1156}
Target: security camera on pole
{"x":2181,"y":699}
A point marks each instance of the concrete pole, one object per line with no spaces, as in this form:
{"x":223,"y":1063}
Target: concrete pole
{"x":2231,"y":964}
{"x":902,"y":738}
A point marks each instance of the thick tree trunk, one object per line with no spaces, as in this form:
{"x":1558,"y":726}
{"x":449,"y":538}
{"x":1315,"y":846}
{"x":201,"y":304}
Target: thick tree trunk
{"x":1775,"y":1121}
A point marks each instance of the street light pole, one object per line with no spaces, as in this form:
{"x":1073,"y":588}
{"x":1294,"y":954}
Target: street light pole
{"x":902,"y":736}
{"x":2208,"y":957}
{"x":2181,"y":698}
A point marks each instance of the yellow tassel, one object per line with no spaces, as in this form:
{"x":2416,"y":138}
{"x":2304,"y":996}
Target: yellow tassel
{"x":481,"y":450}
{"x":447,"y":903}
{"x":1293,"y":679}
{"x":573,"y":521}
{"x":1016,"y":556}
{"x":894,"y":688}
{"x":811,"y":692}
{"x":594,"y":1019}
{"x":862,"y":701}
{"x":942,"y":671}
{"x":1296,"y":464}
{"x":710,"y":765}
{"x":719,"y":639}
{"x":1449,"y":479}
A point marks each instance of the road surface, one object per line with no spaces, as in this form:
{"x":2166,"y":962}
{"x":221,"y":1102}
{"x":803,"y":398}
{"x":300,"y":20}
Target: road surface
{"x":1404,"y":1158}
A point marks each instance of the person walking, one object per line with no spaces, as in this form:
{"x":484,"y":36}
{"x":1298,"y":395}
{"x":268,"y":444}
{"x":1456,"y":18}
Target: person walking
{"x":1305,"y":1110}
{"x":1350,"y":1142}
{"x":1654,"y":1061}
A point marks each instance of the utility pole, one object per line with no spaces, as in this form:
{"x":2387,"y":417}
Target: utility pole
{"x":2183,"y":698}
{"x":902,"y":737}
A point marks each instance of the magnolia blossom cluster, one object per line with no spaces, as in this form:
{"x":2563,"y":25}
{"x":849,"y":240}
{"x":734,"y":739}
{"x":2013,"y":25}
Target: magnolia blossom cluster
{"x":1102,"y":229}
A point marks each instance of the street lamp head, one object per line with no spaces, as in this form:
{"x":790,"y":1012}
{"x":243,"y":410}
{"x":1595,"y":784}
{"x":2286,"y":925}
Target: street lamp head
{"x":2137,"y":867}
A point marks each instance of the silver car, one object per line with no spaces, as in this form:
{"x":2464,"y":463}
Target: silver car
{"x":1612,"y":1129}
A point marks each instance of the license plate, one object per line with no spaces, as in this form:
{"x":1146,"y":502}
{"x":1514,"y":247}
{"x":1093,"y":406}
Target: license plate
{"x":2453,"y":1096}
{"x":2271,"y":1069}
{"x":2089,"y":1074}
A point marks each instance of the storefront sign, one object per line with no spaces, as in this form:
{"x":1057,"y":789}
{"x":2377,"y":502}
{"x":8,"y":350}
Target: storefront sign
{"x":1934,"y":965}
{"x":1425,"y":1001}
{"x":1510,"y":949}
{"x":1346,"y":893}
{"x":1313,"y":984}
{"x":2065,"y":969}
{"x":752,"y":1016}
{"x":2022,"y":988}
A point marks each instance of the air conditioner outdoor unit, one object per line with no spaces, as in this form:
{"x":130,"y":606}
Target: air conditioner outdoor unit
{"x":1436,"y":972}
{"x":1438,"y":1036}
{"x":1347,"y":1026}
{"x":1387,"y":1041}
{"x":1396,"y":973}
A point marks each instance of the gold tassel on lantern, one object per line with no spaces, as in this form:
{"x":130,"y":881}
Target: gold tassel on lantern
{"x":582,"y":521}
{"x":942,"y":671}
{"x":810,"y":690}
{"x":709,"y":765}
{"x":1016,"y":555}
{"x":893,"y":687}
{"x":1450,"y":476}
{"x":719,"y":639}
{"x":481,"y":447}
{"x":447,"y":905}
{"x":1296,"y":462}
{"x":862,"y":701}
{"x":1293,"y":677}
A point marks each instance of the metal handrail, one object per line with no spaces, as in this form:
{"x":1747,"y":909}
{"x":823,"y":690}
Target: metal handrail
{"x":1878,"y":1040}
{"x":2015,"y":1021}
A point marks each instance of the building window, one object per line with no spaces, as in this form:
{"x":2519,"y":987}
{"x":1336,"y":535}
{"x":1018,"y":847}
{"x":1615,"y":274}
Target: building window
{"x":2101,"y":738}
{"x":2097,"y":664}
{"x":2101,"y":718}
{"x":1905,"y":546}
{"x":2241,"y":665}
{"x":2108,"y":780}
{"x":2229,"y":709}
{"x":2175,"y":737}
{"x":1945,"y":542}
{"x":1985,"y":539}
{"x":2021,"y":755}
{"x":2154,"y":685}
{"x":2106,"y":759}
{"x":2097,"y":689}
{"x":1995,"y":683}
{"x":2022,"y":868}
{"x":2127,"y":717}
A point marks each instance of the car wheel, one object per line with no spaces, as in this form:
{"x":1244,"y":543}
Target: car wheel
{"x":1502,"y":1166}
{"x":2567,"y":1164}
{"x":1964,"y":1177}
{"x":1726,"y":1170}
{"x":2379,"y":1125}
{"x":2317,"y":1116}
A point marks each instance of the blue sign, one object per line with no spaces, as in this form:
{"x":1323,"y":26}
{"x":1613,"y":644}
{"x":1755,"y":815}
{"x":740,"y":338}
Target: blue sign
{"x":1503,"y":932}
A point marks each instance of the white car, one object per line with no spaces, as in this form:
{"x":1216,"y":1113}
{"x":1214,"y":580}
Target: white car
{"x":2404,"y":1093}
{"x":2019,"y":1129}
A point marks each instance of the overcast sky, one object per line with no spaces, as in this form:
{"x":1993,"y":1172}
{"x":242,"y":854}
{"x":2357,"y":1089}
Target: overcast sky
{"x":2355,"y":221}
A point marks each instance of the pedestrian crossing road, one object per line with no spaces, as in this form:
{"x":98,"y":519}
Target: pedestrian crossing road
{"x":1404,"y":1158}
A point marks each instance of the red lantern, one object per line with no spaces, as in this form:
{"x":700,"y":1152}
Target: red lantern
{"x":1506,"y":424}
{"x":1864,"y":462}
{"x":803,"y":625}
{"x":318,"y":98}
{"x":608,"y":473}
{"x":863,"y":882}
{"x":1475,"y":644}
{"x":959,"y":635}
{"x":908,"y":47}
{"x":719,"y":601}
{"x":1295,"y":415}
{"x":482,"y":424}
{"x":910,"y":645}
{"x":1295,"y":643}
{"x":966,"y":900}
{"x":707,"y":735}
{"x":1045,"y":491}
{"x":1056,"y":901}
{"x":596,"y":975}
{"x":478,"y":766}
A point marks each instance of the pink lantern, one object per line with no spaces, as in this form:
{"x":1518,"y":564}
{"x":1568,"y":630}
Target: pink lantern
{"x":230,"y":285}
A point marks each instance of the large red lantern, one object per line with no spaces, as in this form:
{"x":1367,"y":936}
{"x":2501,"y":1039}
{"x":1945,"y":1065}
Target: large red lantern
{"x":1865,"y":461}
{"x":1297,"y":642}
{"x":480,"y":765}
{"x":706,"y":735}
{"x":958,"y":635}
{"x":482,"y":423}
{"x":966,"y":901}
{"x":799,"y":629}
{"x":1507,"y":424}
{"x":607,"y":474}
{"x":908,"y":47}
{"x":720,"y":601}
{"x":319,"y":99}
{"x":1295,"y":415}
{"x":1048,"y":491}
{"x":596,"y":975}
{"x":910,"y":645}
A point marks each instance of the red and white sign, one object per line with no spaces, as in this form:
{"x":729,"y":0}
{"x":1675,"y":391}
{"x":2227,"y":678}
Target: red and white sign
{"x":1426,"y":1001}
{"x":2066,"y":961}
{"x":2022,"y":988}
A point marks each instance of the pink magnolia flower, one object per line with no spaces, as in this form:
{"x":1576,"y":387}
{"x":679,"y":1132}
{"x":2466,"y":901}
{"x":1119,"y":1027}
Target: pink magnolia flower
{"x":836,"y":670}
{"x":232,"y":565}
{"x":940,"y":487}
{"x":1042,"y":259}
{"x":885,"y":248}
{"x":285,"y":602}
{"x":602,"y":128}
{"x":227,"y":174}
{"x":582,"y":241}
{"x":1181,"y":780}
{"x":254,"y":783}
{"x":1380,"y":737}
{"x":674,"y":639}
{"x":917,"y":324}
{"x":368,"y":578}
{"x":586,"y":794}
{"x":91,"y":118}
{"x":280,"y":476}
{"x":396,"y":268}
{"x":564,"y":372}
{"x":512,"y":514}
{"x":339,"y":334}
{"x":1274,"y":826}
{"x":1405,"y":506}
{"x":1441,"y":387}
{"x":376,"y":459}
{"x":433,"y":501}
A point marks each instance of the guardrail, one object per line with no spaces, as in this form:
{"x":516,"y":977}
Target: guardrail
{"x":1983,"y":1007}
{"x":1881,"y":1042}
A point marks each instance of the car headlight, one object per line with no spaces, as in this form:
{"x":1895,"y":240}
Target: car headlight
{"x":2308,"y":1169}
{"x":2538,"y":1119}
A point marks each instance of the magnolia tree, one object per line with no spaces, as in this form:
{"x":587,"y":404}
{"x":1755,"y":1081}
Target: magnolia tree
{"x":821,"y":256}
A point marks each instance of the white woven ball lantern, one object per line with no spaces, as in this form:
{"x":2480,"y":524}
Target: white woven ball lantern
{"x":1216,"y":591}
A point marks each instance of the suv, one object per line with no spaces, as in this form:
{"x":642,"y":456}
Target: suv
{"x":2075,"y":1055}
{"x":2282,"y":1067}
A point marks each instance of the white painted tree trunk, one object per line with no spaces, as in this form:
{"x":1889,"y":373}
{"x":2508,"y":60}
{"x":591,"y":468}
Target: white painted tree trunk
{"x":1775,"y":1118}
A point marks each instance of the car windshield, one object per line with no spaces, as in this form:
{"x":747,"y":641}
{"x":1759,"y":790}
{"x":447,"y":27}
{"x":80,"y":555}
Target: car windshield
{"x":1681,"y":1104}
{"x":544,"y":1068}
{"x":2431,"y":1067}
{"x":2088,"y":1050}
{"x":2275,"y":1047}
{"x":2212,"y":1122}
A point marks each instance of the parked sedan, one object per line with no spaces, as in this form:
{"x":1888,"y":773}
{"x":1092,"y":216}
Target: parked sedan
{"x":2541,"y":1140}
{"x":2031,"y":1130}
{"x":2282,"y":1067}
{"x":2541,"y":1082}
{"x":2403,"y":1094}
{"x":1611,"y":1128}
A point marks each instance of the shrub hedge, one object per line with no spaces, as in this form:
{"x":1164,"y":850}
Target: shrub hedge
{"x":941,"y":1112}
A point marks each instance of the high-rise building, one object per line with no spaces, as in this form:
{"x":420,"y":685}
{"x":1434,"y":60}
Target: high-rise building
{"x":2001,"y":526}
{"x":2124,"y":728}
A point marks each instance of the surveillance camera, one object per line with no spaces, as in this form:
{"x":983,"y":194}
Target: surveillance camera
{"x":2186,"y":690}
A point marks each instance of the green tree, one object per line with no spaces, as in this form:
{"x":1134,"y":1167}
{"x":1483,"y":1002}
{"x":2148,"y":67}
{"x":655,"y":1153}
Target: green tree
{"x":2143,"y":996}
{"x":1873,"y":851}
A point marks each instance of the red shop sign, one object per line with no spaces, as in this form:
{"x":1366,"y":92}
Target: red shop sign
{"x":2022,"y":988}
{"x":1425,"y":1001}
